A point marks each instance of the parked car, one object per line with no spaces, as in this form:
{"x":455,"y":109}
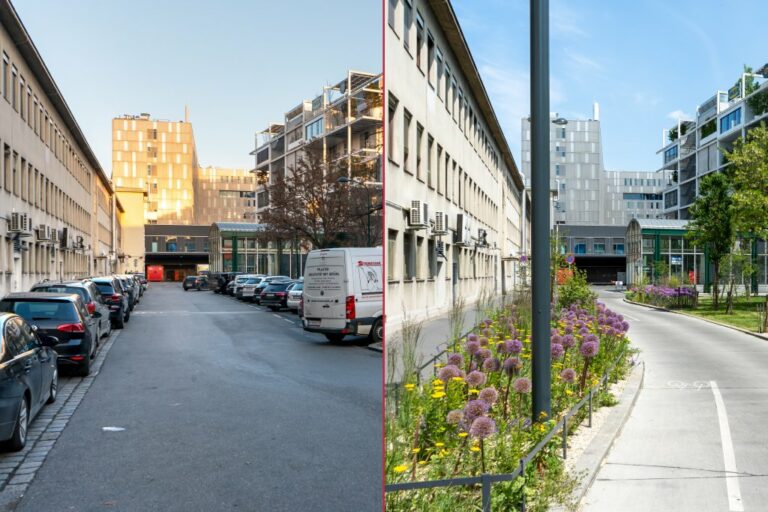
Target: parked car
{"x":129,"y":286}
{"x":190,"y":282}
{"x":343,"y":293}
{"x":89,"y":292}
{"x":294,"y":296}
{"x":113,"y":294}
{"x":219,"y":281}
{"x":29,"y":377}
{"x":248,"y":290}
{"x":246,"y":279}
{"x":64,"y":316}
{"x":266,"y":281}
{"x":143,"y":280}
{"x":239,"y":279}
{"x":139,"y":286}
{"x":275,"y":295}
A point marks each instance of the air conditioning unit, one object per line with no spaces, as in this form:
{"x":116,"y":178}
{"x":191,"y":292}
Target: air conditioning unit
{"x":15,"y":222}
{"x":482,"y":238}
{"x":441,"y":224}
{"x":463,"y":233}
{"x":43,"y":233}
{"x":419,"y":215}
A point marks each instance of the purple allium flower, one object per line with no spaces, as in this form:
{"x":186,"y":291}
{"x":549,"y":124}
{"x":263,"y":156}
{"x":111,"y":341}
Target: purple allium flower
{"x":568,"y":375}
{"x":472,"y":337}
{"x":491,"y":365}
{"x":483,"y":353}
{"x":568,"y":341}
{"x":568,"y":328}
{"x":589,"y":349}
{"x":621,"y":318}
{"x":589,"y":338}
{"x":556,"y":350}
{"x":448,"y":372}
{"x":583,"y":331}
{"x":489,"y":395}
{"x":482,"y":427}
{"x":556,"y":338}
{"x":473,"y":346}
{"x":487,"y":332}
{"x":456,"y":359}
{"x":514,"y":346}
{"x":483,"y":341}
{"x":454,"y":417}
{"x":475,"y":379}
{"x":487,"y":322}
{"x":475,"y":409}
{"x":522,"y":385}
{"x":625,"y":326}
{"x":511,"y":365}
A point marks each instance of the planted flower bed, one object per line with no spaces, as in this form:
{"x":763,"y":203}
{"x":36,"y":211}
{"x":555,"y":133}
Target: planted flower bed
{"x":474,"y":416}
{"x":664,"y":296}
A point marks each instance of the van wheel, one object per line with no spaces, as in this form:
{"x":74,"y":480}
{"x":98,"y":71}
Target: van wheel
{"x":334,"y":338}
{"x":377,"y":331}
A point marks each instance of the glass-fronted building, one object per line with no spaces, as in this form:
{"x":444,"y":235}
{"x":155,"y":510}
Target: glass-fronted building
{"x":659,"y":245}
{"x":242,"y":247}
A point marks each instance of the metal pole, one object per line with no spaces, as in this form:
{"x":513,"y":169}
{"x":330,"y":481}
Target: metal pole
{"x":540,"y":207}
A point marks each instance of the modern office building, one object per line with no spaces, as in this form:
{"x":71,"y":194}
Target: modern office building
{"x":454,"y":192}
{"x":162,"y":186}
{"x":241,"y":247}
{"x":58,"y":214}
{"x":586,"y":194}
{"x":693,"y":148}
{"x":344,"y":122}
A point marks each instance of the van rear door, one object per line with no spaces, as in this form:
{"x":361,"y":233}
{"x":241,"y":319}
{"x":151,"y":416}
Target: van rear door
{"x":325,"y":289}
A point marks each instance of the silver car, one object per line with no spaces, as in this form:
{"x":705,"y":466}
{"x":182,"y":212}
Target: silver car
{"x":294,"y":296}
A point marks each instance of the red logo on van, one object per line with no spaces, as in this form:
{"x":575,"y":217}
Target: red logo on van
{"x":368,"y":263}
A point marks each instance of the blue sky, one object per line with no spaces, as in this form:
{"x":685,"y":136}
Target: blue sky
{"x":237,"y":64}
{"x":645,"y":62}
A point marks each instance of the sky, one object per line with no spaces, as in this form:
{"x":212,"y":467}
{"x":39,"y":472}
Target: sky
{"x":238,"y":66}
{"x":646,"y":62}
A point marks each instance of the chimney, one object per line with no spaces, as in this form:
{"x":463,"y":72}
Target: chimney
{"x":186,"y":114}
{"x":596,"y":111}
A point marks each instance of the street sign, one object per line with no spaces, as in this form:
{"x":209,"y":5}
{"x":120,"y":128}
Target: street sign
{"x":570,"y":259}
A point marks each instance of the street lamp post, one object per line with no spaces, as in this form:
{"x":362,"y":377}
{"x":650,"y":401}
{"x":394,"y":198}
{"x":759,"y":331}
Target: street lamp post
{"x":343,"y":180}
{"x":540,"y":190}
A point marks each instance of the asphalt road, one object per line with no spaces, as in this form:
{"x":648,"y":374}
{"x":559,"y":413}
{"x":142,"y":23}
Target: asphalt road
{"x":225,"y":407}
{"x":695,"y":440}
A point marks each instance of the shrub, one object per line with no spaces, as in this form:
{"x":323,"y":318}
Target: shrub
{"x":575,"y":291}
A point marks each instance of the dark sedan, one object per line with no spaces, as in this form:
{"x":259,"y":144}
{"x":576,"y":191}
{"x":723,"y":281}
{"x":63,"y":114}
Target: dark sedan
{"x":89,"y":292}
{"x":63,"y":316}
{"x":29,"y":378}
{"x":112,"y":293}
{"x":275,"y":295}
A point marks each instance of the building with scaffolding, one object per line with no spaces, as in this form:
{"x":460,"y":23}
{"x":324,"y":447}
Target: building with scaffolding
{"x":344,"y":122}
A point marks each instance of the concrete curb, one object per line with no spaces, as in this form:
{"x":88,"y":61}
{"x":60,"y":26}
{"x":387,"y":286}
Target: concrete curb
{"x":591,"y":460}
{"x":376,"y":347}
{"x":745,"y":331}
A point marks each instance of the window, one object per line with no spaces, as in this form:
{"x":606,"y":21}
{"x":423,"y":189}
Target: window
{"x":670,"y":154}
{"x":438,"y":160}
{"x":14,"y":88}
{"x":561,"y":132}
{"x":420,"y":260}
{"x":447,"y":86}
{"x":430,"y":159}
{"x":391,"y":126}
{"x":391,"y":14}
{"x":419,"y":139}
{"x":432,"y":250}
{"x":5,"y":76}
{"x":439,"y":74}
{"x":730,"y":121}
{"x":618,"y":248}
{"x":560,"y":150}
{"x":419,"y":41}
{"x":598,"y":248}
{"x":430,"y":59}
{"x":558,"y":170}
{"x":408,"y":257}
{"x":407,"y":22}
{"x":406,"y":136}
{"x":580,"y":248}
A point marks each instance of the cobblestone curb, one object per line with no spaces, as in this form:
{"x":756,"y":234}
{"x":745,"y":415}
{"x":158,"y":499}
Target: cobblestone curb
{"x":18,"y":469}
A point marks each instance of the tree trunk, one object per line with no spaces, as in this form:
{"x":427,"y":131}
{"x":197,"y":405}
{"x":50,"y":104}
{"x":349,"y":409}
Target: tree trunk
{"x":729,"y":304}
{"x":715,"y":285}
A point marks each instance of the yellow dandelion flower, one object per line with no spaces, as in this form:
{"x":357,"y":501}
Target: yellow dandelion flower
{"x":422,"y":462}
{"x":568,"y":392}
{"x":475,"y":448}
{"x":437,"y":382}
{"x":474,"y":392}
{"x":458,"y":379}
{"x":439,"y":444}
{"x":401,"y":468}
{"x":444,"y":452}
{"x":410,"y":386}
{"x":439,"y":394}
{"x":543,"y":415}
{"x":439,"y":365}
{"x":416,"y":450}
{"x":463,"y":434}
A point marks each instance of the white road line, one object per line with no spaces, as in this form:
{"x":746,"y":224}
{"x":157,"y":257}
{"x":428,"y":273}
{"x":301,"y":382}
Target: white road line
{"x":276,"y":315}
{"x":729,"y":457}
{"x":630,"y":317}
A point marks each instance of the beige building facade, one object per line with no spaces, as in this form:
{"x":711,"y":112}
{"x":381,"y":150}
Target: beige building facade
{"x":224,"y":195}
{"x":454,"y":193}
{"x":57,"y":210}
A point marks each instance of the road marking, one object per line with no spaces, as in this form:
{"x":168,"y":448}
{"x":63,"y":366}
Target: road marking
{"x":631,"y":318}
{"x":112,"y":429}
{"x":729,"y":457}
{"x":276,"y":315}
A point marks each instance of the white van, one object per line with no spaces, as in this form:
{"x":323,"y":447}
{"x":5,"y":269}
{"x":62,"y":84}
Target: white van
{"x":343,"y":293}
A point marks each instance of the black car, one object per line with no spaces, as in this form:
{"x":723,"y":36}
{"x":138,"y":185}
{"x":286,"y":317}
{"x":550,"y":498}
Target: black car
{"x":112,"y":292}
{"x":89,"y":292}
{"x":131,"y":287}
{"x":275,"y":295}
{"x":63,"y":316}
{"x":29,"y":378}
{"x":190,"y":282}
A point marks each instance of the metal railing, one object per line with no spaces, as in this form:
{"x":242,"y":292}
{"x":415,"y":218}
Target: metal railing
{"x":487,"y":480}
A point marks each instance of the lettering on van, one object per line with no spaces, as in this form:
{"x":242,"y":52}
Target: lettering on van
{"x":369,"y":276}
{"x":324,"y":279}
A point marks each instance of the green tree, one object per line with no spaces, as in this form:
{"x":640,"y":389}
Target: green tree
{"x":748,"y":172}
{"x":711,"y":224}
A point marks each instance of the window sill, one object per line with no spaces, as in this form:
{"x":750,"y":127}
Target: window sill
{"x":408,"y":280}
{"x":419,"y":279}
{"x":389,"y":159}
{"x":393,"y":281}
